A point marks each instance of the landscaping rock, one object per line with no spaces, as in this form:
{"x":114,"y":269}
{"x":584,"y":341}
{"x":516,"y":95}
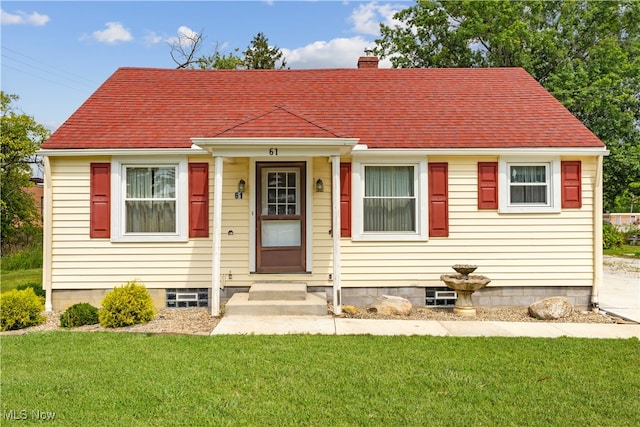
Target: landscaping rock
{"x":551,"y":308}
{"x":389,"y":305}
{"x":349,"y":309}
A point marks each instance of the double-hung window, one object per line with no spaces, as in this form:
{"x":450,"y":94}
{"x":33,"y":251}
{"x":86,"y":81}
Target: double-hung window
{"x":387,"y":203}
{"x":149,"y":201}
{"x":531,"y":185}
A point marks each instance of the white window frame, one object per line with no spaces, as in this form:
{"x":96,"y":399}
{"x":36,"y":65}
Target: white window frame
{"x":552,"y":165}
{"x":357,"y":189}
{"x":118,"y":193}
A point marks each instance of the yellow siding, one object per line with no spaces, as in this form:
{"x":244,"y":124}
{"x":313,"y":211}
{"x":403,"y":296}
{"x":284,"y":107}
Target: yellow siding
{"x":549,"y":249}
{"x":79,"y":262}
{"x":512,"y":249}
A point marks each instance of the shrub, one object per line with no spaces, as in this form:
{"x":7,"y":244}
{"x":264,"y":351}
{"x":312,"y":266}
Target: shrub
{"x":20,"y":309}
{"x":611,"y":237}
{"x":78,"y":315}
{"x":37,"y":288}
{"x":127,"y":305}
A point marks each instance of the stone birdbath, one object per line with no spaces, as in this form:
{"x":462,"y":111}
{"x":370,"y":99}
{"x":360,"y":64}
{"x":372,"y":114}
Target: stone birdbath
{"x":464,"y":284}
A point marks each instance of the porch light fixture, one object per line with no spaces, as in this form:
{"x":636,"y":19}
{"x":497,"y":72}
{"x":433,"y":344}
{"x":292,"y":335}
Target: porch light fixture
{"x":319,"y":186}
{"x":241,"y":186}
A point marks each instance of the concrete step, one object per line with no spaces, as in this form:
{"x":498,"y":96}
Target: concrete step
{"x":314,"y":304}
{"x":265,"y":291}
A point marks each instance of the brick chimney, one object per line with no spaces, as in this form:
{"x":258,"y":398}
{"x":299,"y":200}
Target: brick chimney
{"x":368,"y":61}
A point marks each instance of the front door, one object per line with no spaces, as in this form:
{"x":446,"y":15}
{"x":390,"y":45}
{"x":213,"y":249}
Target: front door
{"x":280,"y":219}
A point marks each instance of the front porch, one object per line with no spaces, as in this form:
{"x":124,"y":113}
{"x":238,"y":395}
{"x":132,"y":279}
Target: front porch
{"x":288,"y":194}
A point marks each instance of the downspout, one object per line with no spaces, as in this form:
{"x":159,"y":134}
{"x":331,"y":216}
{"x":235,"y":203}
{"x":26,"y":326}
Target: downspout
{"x":335,"y":226}
{"x":216,"y":240}
{"x":597,"y":237}
{"x":47,"y":238}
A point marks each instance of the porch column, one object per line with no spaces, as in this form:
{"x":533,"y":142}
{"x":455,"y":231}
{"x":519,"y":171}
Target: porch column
{"x":335,"y":226}
{"x":216,"y":239}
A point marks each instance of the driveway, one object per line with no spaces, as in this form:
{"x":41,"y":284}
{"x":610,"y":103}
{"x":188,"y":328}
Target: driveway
{"x":620,"y":290}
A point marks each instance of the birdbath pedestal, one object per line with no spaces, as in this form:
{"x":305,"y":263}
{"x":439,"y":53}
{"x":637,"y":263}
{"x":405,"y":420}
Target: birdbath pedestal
{"x":465,"y":285}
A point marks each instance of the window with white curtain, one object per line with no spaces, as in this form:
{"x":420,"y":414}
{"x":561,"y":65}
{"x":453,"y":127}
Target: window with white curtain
{"x":388,"y":199}
{"x":149,"y":200}
{"x":389,"y":203}
{"x":530,"y":184}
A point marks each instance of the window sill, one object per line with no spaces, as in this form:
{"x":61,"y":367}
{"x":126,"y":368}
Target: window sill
{"x":149,"y":239}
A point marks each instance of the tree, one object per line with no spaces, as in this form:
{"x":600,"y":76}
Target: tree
{"x":586,"y":53}
{"x":220,"y":61}
{"x":20,"y":138}
{"x":259,"y":56}
{"x":185,"y":48}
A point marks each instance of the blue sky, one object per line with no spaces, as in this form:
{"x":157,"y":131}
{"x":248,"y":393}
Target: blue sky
{"x":55,"y":54}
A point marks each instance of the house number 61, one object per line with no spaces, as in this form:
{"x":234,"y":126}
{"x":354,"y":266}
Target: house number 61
{"x":273,"y":151}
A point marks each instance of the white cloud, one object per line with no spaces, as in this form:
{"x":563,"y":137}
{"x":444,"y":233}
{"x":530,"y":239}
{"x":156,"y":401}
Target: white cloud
{"x":151,"y":38}
{"x":22,"y":18}
{"x":344,"y":52}
{"x":114,"y":33}
{"x":367,"y":18}
{"x":184,"y":38}
{"x":336,"y":53}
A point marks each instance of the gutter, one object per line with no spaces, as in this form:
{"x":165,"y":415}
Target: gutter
{"x":47,"y":236}
{"x":597,"y":237}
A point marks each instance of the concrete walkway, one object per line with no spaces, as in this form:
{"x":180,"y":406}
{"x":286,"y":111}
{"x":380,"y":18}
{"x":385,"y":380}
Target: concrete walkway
{"x":328,"y":325}
{"x":620,"y":296}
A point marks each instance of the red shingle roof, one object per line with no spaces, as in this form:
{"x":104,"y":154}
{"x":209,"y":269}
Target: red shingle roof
{"x":385,"y":108}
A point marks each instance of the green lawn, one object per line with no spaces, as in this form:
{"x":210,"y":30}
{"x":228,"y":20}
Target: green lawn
{"x":624,"y":250}
{"x":123,"y":379}
{"x":11,"y":279}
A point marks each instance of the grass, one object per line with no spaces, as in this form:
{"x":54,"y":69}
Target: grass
{"x":122,"y":379}
{"x":21,"y":267}
{"x":624,"y":250}
{"x":11,"y":279}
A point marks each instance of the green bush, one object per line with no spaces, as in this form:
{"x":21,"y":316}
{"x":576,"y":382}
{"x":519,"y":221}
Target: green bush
{"x":20,"y":309}
{"x":78,"y":315}
{"x":127,"y":305}
{"x":611,"y":237}
{"x":37,"y":288}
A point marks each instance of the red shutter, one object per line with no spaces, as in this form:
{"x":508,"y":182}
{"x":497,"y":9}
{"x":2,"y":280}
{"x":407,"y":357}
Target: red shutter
{"x":571,"y":176}
{"x":99,"y":199}
{"x":487,"y":185}
{"x":198,"y":200}
{"x":345,"y":199}
{"x":438,"y":200}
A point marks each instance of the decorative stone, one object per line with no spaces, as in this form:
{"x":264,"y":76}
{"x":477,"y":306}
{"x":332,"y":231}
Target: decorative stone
{"x":391,"y":305}
{"x":551,"y":308}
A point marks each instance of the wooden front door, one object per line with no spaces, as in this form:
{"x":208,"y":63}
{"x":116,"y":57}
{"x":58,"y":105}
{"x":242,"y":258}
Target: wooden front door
{"x":280,"y":219}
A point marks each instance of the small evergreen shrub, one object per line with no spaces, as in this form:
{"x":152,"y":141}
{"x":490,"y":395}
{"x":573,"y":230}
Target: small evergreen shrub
{"x":37,"y":288}
{"x":78,"y":315}
{"x":611,"y":237}
{"x":20,"y":309}
{"x":126,"y":305}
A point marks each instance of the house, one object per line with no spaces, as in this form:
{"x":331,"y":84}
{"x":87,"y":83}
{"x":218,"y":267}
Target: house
{"x":622,"y":221}
{"x":356,"y":182}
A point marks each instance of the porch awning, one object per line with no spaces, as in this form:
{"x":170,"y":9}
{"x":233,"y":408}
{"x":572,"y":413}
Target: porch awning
{"x":276,"y":147}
